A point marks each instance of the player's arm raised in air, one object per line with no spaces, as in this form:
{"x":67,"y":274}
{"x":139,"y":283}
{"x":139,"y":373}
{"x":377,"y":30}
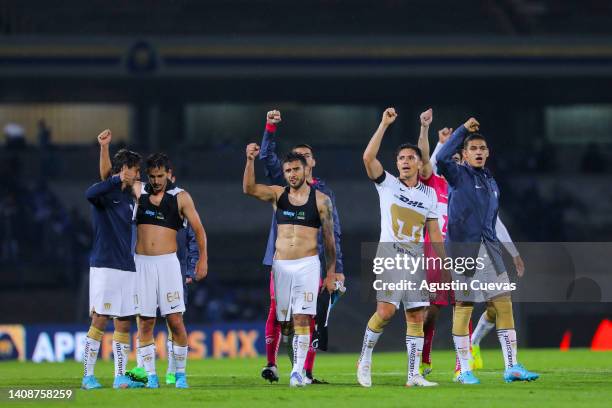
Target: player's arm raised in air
{"x":443,"y":135}
{"x":106,"y":167}
{"x":423,"y":143}
{"x":326,"y":209}
{"x":273,"y":166}
{"x":447,"y":166}
{"x":188,"y":210}
{"x":373,"y":167}
{"x":249,"y":186}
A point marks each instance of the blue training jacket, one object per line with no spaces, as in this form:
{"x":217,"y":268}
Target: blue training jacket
{"x":187,"y":251}
{"x":274,"y":172}
{"x":111,"y":214}
{"x":473,"y":203}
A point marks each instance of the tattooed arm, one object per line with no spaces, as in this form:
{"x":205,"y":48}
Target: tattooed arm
{"x":325,"y":207}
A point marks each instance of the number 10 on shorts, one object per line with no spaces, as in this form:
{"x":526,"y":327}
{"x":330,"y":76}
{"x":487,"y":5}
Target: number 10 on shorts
{"x":308,"y":297}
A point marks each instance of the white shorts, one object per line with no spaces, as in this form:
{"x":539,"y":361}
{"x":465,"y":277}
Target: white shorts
{"x":486,"y":274}
{"x":296,"y":286}
{"x":411,"y":299}
{"x":160,"y":284}
{"x":112,"y":292}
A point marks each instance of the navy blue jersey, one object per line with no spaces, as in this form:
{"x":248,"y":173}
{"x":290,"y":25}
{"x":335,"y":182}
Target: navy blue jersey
{"x":111,"y":213}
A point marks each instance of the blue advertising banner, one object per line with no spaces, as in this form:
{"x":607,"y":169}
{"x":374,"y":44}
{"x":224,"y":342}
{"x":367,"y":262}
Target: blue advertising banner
{"x":57,"y":343}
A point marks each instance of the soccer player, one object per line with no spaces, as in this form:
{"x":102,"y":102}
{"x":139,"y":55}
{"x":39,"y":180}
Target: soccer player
{"x":274,"y":172}
{"x":300,"y":212}
{"x":472,"y":214}
{"x":112,"y":274}
{"x":407,"y":206}
{"x":160,"y":213}
{"x":438,"y":183}
{"x":188,"y":255}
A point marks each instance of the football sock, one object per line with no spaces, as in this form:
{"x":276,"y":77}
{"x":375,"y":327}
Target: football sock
{"x":507,"y":340}
{"x":121,"y":351}
{"x":461,"y":335}
{"x":147,"y":354}
{"x":414,"y":347}
{"x":273,"y":336}
{"x":483,"y":327}
{"x":180,"y":357}
{"x":301,"y":342}
{"x":90,"y":352}
{"x":430,"y":330}
{"x":312,"y":352}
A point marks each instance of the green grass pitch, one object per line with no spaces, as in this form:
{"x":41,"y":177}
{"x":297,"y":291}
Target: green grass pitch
{"x":578,"y":378}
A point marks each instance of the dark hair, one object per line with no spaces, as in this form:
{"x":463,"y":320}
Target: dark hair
{"x":125,"y":157}
{"x":304,"y":145}
{"x":159,"y":160}
{"x":473,"y":136}
{"x":408,"y":146}
{"x":293,"y":156}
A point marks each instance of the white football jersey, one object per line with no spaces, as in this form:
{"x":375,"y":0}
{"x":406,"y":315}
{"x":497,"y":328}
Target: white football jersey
{"x":403,"y":210}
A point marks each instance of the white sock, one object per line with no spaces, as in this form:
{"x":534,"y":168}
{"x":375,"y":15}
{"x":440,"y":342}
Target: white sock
{"x":482,"y":329}
{"x":180,"y":357}
{"x":370,"y":338}
{"x":90,"y":355}
{"x":462,"y":347}
{"x":170,"y":354}
{"x":138,"y":357}
{"x":120,"y":354}
{"x":147,"y":354}
{"x":507,"y":340}
{"x":301,"y":343}
{"x":414,"y":348}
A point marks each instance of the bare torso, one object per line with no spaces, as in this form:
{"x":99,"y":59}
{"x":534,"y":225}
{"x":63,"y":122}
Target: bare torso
{"x":154,"y":240}
{"x":296,"y":241}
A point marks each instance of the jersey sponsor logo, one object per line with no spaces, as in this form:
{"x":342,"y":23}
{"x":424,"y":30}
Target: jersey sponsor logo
{"x":300,"y":215}
{"x":410,"y":202}
{"x":155,"y":214}
{"x":116,"y":201}
{"x":477,"y":186}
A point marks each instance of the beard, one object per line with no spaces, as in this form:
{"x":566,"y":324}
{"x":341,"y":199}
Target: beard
{"x":298,"y":184}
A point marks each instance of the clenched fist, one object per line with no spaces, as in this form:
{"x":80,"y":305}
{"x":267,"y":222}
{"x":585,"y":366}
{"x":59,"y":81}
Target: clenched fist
{"x":273,"y":117}
{"x":444,"y":134}
{"x":426,"y":117}
{"x":388,"y":116}
{"x":105,"y":137}
{"x":252,"y":150}
{"x":472,"y":125}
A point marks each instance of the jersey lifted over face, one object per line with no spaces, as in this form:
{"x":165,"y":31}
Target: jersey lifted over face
{"x":403,"y":209}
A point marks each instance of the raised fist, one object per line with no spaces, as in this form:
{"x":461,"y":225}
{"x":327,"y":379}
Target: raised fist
{"x":444,"y":134}
{"x":252,"y":150}
{"x":388,"y":116}
{"x":273,"y":117}
{"x":426,"y":117}
{"x":105,"y":137}
{"x":472,"y":125}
